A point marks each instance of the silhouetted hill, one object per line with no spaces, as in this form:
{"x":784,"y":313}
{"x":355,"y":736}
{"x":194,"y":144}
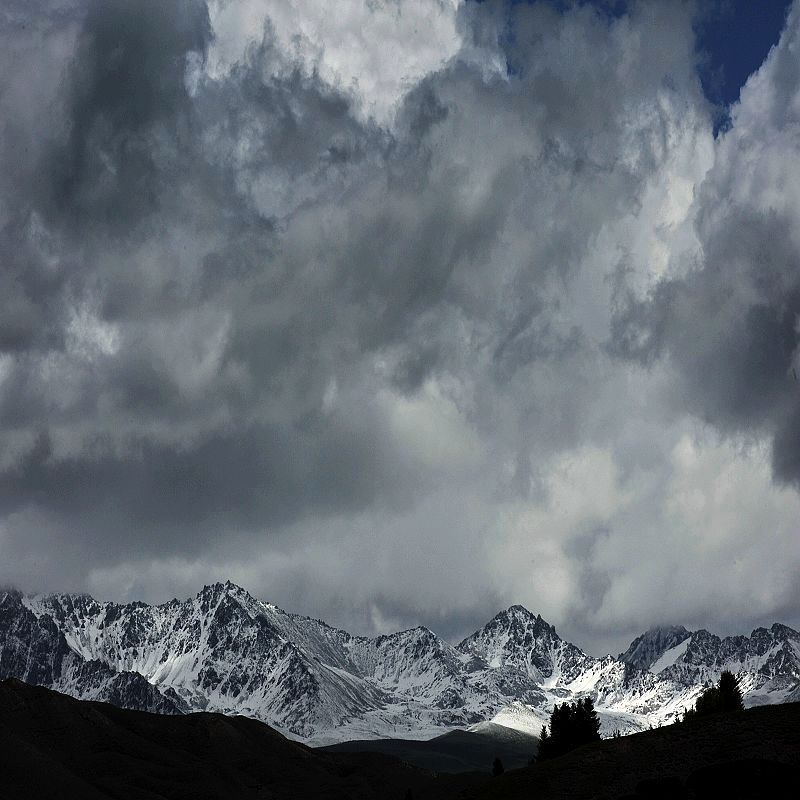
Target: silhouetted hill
{"x":55,"y":747}
{"x":456,"y":751}
{"x":745,"y":755}
{"x":52,"y":746}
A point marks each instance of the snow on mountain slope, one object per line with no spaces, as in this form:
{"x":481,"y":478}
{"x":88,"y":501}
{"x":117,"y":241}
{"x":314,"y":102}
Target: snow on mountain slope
{"x":768,"y":662}
{"x":415,"y":663}
{"x":562,"y":672}
{"x":519,"y":639}
{"x":521,"y":717}
{"x":647,"y":649}
{"x":223,"y":650}
{"x":227,"y":651}
{"x":33,"y":649}
{"x":669,"y":657}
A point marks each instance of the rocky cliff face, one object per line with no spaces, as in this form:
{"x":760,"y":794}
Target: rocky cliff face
{"x":645,"y":650}
{"x":768,"y":661}
{"x":34,"y":649}
{"x":224,"y":650}
{"x":518,"y":639}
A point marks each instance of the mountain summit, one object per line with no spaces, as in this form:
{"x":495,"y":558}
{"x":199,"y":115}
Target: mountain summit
{"x":519,"y":639}
{"x":645,"y":650}
{"x":225,"y":650}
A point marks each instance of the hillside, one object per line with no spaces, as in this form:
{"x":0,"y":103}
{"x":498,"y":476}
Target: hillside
{"x":54,"y":746}
{"x":59,"y":748}
{"x":455,"y":751}
{"x":748,"y":755}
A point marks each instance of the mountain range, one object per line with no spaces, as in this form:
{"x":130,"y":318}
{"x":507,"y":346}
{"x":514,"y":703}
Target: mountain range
{"x":226,"y":651}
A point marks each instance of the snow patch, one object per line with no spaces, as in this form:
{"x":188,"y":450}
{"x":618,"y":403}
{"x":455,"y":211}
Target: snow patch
{"x":670,"y":657}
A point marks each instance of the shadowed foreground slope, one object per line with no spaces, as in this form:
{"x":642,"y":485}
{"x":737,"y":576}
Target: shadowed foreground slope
{"x":744,"y":755}
{"x":456,"y":751}
{"x":56,"y":747}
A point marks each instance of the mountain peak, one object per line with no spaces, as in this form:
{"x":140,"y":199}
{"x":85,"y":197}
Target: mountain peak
{"x":520,"y":611}
{"x":517,"y":615}
{"x":784,"y":631}
{"x":514,"y":623}
{"x":220,"y":589}
{"x":658,"y":632}
{"x":226,"y":650}
{"x":223,"y":594}
{"x":646,"y":649}
{"x":418,"y":633}
{"x":520,"y":639}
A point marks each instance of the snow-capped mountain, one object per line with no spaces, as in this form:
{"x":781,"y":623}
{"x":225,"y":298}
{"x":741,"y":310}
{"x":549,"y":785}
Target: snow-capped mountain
{"x":224,"y":650}
{"x":767,"y":661}
{"x":645,"y":651}
{"x":34,"y":649}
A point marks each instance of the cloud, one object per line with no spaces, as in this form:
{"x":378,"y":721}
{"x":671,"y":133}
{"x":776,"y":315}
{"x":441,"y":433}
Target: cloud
{"x":728,"y":320}
{"x":390,"y":322}
{"x":373,"y":52}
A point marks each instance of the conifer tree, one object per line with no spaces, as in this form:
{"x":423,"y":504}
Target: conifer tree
{"x":544,"y":752}
{"x":571,"y":725}
{"x":725,"y":696}
{"x":730,"y":694}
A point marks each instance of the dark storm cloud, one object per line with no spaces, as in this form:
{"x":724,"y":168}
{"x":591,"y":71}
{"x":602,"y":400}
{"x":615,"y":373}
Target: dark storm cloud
{"x":128,"y":97}
{"x":135,"y":163}
{"x":731,"y":331}
{"x":185,"y":282}
{"x":248,"y":330}
{"x":150,"y":220}
{"x":731,"y":326}
{"x":248,"y":477}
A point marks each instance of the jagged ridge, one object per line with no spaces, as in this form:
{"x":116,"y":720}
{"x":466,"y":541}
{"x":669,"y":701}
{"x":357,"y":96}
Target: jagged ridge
{"x":224,"y":650}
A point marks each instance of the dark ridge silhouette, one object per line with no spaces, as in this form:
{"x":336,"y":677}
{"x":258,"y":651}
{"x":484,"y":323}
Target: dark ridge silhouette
{"x":55,"y":747}
{"x":746,"y":755}
{"x":456,"y":751}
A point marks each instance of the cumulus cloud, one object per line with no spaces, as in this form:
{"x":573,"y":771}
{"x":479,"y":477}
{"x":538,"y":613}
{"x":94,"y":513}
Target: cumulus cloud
{"x":395,"y":317}
{"x":728,"y":320}
{"x":373,"y":52}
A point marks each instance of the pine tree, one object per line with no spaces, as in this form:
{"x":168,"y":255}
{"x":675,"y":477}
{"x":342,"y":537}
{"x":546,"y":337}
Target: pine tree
{"x":571,"y":725}
{"x":709,"y":702}
{"x":725,"y":696}
{"x":730,"y":694}
{"x":587,"y":722}
{"x":544,"y":752}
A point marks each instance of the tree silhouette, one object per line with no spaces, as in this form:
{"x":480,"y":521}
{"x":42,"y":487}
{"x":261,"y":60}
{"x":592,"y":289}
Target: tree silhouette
{"x":730,"y":694}
{"x":497,"y":767}
{"x":571,"y":725}
{"x":587,"y":723}
{"x":725,"y":696}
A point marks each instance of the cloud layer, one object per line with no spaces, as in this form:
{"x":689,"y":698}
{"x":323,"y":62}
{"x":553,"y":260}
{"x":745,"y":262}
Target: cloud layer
{"x":398,"y":317}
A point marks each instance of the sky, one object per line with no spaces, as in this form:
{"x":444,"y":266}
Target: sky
{"x":405,"y":313}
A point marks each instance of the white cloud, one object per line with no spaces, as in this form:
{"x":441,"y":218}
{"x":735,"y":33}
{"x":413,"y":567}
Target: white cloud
{"x":375,"y":50}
